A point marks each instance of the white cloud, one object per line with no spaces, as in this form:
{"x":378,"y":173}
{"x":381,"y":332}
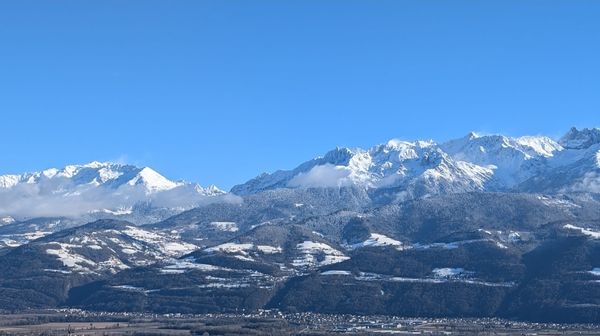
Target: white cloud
{"x":589,"y":183}
{"x":326,"y":175}
{"x":60,"y":197}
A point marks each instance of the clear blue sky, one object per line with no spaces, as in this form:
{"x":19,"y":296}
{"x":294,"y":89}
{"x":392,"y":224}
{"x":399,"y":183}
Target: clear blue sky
{"x":219,"y":91}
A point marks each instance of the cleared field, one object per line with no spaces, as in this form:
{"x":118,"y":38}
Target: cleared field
{"x":92,"y":329}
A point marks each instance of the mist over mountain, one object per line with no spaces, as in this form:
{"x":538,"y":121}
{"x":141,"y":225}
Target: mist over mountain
{"x":97,"y":187}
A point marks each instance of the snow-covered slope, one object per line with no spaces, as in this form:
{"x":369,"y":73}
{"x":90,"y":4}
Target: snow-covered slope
{"x":100,"y":188}
{"x":105,"y":246}
{"x":470,"y":163}
{"x":418,"y":167}
{"x":513,"y":160}
{"x":581,"y":139}
{"x":574,"y":169}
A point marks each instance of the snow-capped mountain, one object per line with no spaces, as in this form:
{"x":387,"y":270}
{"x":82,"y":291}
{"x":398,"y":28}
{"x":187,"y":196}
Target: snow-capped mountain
{"x":104,"y":174}
{"x":420,"y":167}
{"x":513,"y":160}
{"x":396,"y":169}
{"x":574,"y":169}
{"x":470,"y":163}
{"x":581,"y":139}
{"x":96,"y":187}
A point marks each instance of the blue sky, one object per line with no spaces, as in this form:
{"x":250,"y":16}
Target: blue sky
{"x":219,"y":91}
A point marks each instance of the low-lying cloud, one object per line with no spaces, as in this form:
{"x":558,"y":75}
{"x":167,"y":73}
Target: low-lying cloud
{"x":326,"y":175}
{"x":60,"y":197}
{"x":589,"y":183}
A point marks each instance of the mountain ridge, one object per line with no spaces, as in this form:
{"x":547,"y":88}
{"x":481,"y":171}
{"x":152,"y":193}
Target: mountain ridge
{"x":96,"y":187}
{"x":420,"y":168}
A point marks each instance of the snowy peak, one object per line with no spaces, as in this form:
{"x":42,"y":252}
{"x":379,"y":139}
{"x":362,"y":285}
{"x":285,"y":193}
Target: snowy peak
{"x":94,"y":173}
{"x":490,"y":148}
{"x":211,"y":190}
{"x":98,"y":188}
{"x":512,"y":159}
{"x":538,"y":145}
{"x":106,"y":174}
{"x":338,"y":156}
{"x":152,"y":181}
{"x":580,"y":139}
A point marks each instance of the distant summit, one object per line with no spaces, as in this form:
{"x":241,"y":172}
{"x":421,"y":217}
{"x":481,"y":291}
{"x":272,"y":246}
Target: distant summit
{"x":580,"y":139}
{"x":95,"y":187}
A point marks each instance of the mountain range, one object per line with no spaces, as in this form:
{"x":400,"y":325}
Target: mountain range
{"x":406,"y":169}
{"x":472,"y":163}
{"x":480,"y":226}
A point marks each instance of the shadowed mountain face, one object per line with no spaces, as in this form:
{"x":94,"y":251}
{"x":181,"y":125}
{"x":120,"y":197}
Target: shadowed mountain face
{"x":480,"y":226}
{"x":478,"y":254}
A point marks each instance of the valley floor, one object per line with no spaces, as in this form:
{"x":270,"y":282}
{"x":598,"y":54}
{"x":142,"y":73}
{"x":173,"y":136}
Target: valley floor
{"x":78,"y":322}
